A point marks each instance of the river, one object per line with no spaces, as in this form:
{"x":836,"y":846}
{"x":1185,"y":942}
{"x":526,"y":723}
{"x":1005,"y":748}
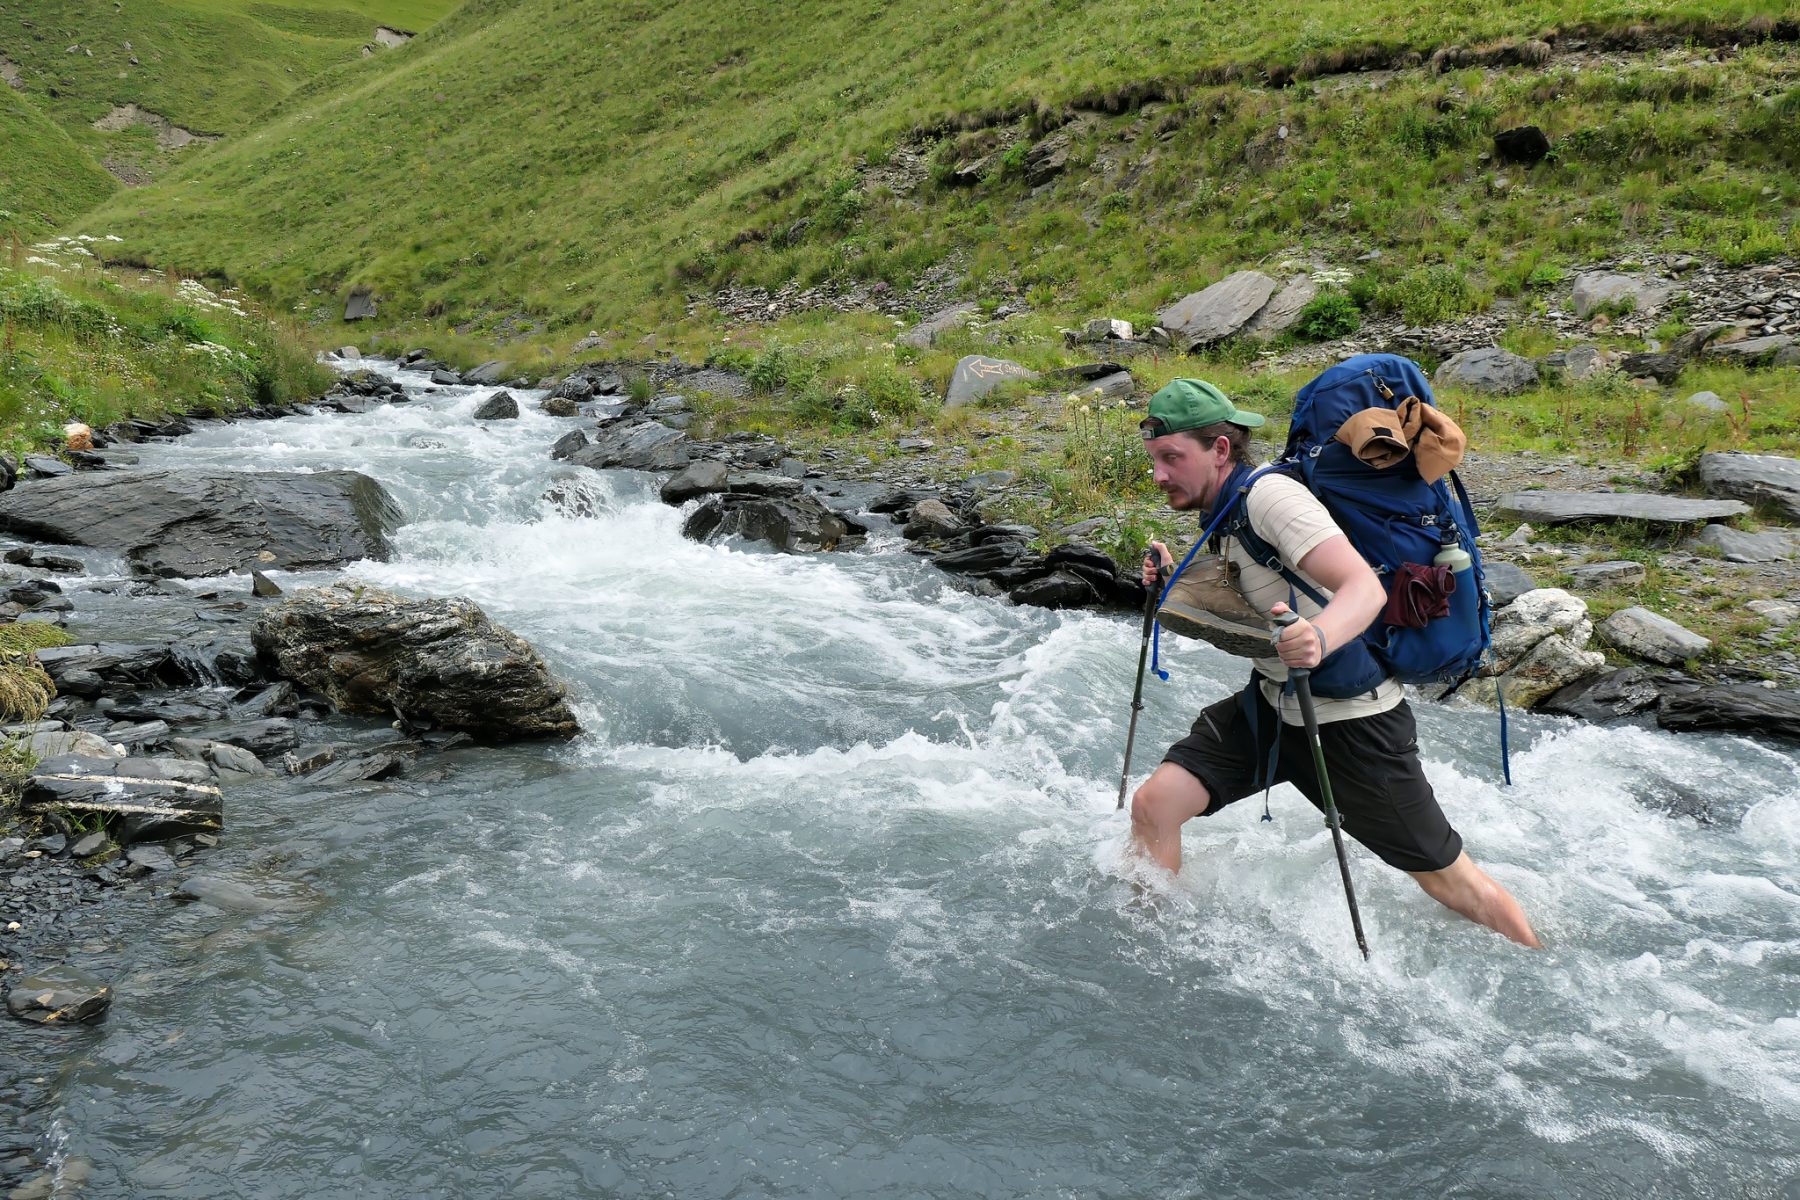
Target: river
{"x":829,"y":900}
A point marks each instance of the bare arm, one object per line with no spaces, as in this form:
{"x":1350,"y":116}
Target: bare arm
{"x":1357,"y":598}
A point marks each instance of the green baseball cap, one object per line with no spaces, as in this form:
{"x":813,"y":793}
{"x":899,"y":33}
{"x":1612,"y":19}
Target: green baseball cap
{"x":1192,"y":404}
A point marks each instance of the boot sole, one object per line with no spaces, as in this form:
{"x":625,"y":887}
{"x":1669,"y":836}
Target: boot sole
{"x":1233,"y":637}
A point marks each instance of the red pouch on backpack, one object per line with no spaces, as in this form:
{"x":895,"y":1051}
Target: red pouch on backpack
{"x":1420,"y":595}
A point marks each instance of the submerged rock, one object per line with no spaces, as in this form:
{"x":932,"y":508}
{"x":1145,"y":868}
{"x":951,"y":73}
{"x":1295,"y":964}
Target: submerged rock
{"x":59,"y":995}
{"x":439,"y":662}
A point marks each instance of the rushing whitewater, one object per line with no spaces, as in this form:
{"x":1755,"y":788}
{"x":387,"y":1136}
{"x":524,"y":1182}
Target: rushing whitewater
{"x":830,"y":899}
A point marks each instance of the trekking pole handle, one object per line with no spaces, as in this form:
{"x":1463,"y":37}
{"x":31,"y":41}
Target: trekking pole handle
{"x":1287,"y":618}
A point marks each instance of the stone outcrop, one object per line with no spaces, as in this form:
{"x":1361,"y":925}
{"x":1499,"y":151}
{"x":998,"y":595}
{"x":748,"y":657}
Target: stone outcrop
{"x":438,"y":662}
{"x":190,"y":522}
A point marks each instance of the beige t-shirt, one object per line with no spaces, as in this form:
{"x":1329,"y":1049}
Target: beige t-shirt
{"x":1290,"y":518}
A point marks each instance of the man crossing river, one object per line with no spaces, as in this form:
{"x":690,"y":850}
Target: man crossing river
{"x":1196,"y":439}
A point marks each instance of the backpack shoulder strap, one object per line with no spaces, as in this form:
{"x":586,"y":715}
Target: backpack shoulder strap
{"x":1239,"y":526}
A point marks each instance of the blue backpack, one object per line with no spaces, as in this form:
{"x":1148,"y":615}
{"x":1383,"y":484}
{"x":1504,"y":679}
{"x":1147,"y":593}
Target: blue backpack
{"x":1392,"y":517}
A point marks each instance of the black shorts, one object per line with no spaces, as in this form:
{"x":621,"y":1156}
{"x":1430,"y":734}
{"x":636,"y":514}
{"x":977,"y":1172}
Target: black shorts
{"x":1382,"y":795}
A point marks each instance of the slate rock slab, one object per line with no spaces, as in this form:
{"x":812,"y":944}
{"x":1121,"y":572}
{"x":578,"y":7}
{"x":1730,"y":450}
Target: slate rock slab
{"x":1770,"y":479}
{"x":1282,"y":310}
{"x":1619,"y":572}
{"x":1217,"y":312}
{"x":1750,"y":350}
{"x":440,"y":662}
{"x":1506,"y":582}
{"x":185,"y":523}
{"x":1562,"y":508}
{"x":1613,"y":696}
{"x":976,"y":375}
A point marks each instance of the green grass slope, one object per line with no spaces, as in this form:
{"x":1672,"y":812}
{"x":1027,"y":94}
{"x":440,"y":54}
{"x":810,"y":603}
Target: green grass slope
{"x":209,"y":66}
{"x":588,"y":164}
{"x":45,"y":177}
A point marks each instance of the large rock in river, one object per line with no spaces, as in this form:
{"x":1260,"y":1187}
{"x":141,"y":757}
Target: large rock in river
{"x":796,"y":524}
{"x":187,"y":523}
{"x":437,"y":661}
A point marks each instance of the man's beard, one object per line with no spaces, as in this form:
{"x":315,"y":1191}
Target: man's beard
{"x":1181,"y":501}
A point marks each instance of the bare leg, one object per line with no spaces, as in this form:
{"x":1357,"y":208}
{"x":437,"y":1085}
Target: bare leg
{"x":1465,"y":888}
{"x":1169,"y":797}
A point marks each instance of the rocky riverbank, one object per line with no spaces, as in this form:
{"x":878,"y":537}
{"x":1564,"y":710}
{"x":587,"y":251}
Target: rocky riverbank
{"x":127,"y":773}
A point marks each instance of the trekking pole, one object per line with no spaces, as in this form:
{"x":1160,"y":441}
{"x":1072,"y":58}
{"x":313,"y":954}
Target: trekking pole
{"x":1302,"y":678}
{"x":1151,"y":595}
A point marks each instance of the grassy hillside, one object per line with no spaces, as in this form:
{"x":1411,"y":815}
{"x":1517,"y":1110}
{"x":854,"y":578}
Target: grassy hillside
{"x":208,"y":66}
{"x":79,"y":344}
{"x":579,"y":165}
{"x":45,"y":177}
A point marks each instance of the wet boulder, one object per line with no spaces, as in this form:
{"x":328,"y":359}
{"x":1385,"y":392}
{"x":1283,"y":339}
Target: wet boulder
{"x":1612,"y":696}
{"x":436,"y":662}
{"x":795,"y":524}
{"x":498,"y":407}
{"x":196,"y":522}
{"x":1059,"y":589}
{"x":636,"y":444}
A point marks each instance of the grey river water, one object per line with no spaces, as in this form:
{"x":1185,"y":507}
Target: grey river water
{"x":829,"y":900}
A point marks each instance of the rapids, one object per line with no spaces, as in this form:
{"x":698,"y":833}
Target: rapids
{"x":829,"y":900}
